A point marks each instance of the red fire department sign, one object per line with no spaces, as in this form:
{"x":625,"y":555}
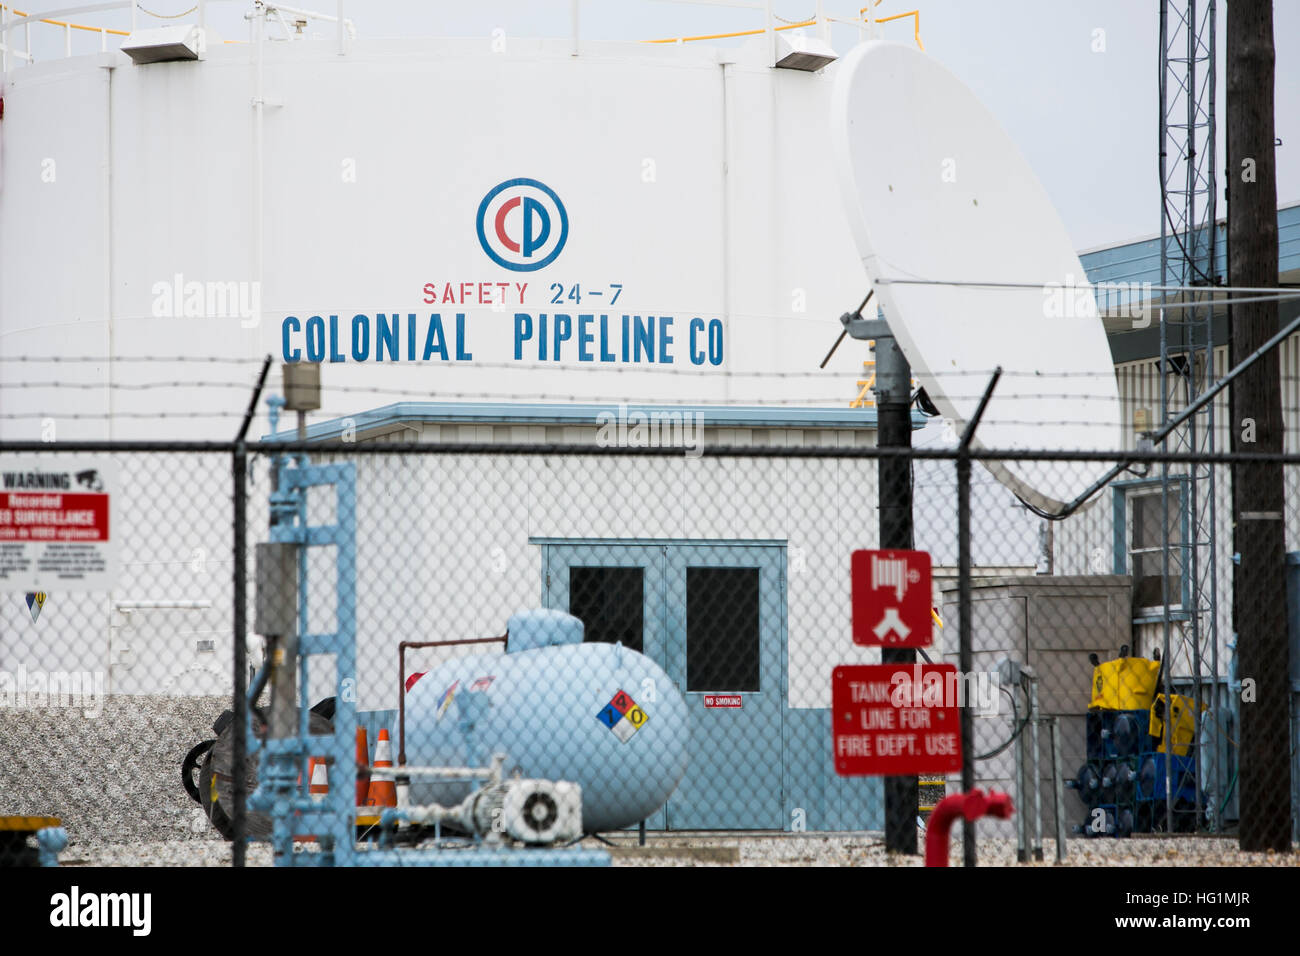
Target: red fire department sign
{"x":895,"y":719}
{"x":56,"y":532}
{"x":891,"y":598}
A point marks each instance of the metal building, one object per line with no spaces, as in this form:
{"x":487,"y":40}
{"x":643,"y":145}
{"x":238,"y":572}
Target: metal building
{"x":531,"y":240}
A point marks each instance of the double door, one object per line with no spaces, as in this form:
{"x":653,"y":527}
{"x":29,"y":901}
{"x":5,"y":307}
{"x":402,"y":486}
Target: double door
{"x":712,"y":615}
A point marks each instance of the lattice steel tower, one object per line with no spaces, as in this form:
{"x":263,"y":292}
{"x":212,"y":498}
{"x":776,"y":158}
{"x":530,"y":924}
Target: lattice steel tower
{"x":1188,"y":257}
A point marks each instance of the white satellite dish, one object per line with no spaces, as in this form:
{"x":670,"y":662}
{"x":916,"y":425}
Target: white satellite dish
{"x":936,"y":191}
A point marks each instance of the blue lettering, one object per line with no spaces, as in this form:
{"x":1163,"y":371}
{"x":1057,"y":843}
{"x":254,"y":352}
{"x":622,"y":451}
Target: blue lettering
{"x":627,"y":339}
{"x":315,"y":339}
{"x":645,"y":338}
{"x":523,"y":330}
{"x":715,"y":342}
{"x":461,"y":354}
{"x":360,"y":338}
{"x":605,"y":354}
{"x":563,"y":331}
{"x":585,"y":337}
{"x":386,"y":333}
{"x":665,"y":339}
{"x":410,"y":336}
{"x":435,"y":335}
{"x":335,"y":354}
{"x":291,"y":323}
{"x":697,"y":354}
{"x":541,"y":337}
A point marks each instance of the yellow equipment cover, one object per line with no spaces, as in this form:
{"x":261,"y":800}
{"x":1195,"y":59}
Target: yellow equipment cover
{"x":1184,"y":724}
{"x":1126,"y":683}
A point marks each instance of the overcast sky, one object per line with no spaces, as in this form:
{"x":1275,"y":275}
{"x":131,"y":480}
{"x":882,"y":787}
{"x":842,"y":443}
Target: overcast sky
{"x":1086,"y":121}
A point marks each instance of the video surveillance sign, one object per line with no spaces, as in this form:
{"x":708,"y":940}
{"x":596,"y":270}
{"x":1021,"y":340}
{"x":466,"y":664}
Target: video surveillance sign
{"x":57,"y":526}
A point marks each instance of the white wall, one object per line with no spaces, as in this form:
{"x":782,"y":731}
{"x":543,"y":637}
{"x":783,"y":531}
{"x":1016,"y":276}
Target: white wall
{"x":116,"y":178}
{"x":702,"y":187}
{"x":444,"y":552}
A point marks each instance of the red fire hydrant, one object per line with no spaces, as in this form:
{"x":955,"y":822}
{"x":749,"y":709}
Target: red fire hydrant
{"x":972,"y":806}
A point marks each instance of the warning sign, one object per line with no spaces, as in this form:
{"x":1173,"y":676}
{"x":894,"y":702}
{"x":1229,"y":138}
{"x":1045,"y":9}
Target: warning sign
{"x":724,"y":700}
{"x":895,"y":719}
{"x":622,"y":716}
{"x":56,"y":528}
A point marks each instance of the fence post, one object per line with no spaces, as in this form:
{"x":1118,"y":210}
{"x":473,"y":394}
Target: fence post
{"x":239,"y":703}
{"x":963,"y":609}
{"x":964,"y":643}
{"x":239,"y":755}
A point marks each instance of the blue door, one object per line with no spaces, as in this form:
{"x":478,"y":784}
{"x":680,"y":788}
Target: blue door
{"x":712,"y":615}
{"x":726,"y":616}
{"x":618,"y":592}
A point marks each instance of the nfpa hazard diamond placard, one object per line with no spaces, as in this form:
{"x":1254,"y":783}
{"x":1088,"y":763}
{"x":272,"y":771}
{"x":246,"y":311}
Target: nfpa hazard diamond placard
{"x":623,"y":716}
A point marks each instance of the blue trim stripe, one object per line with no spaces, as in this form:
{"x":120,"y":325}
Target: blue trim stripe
{"x":512,"y":413}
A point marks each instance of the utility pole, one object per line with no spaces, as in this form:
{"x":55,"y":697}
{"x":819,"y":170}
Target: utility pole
{"x":893,"y":388}
{"x":1258,"y":501}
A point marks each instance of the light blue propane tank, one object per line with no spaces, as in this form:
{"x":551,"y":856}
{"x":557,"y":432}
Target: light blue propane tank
{"x":599,"y":715}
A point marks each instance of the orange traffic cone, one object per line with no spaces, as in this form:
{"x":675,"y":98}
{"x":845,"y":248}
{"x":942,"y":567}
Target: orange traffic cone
{"x":318,"y":779}
{"x":363,"y":766}
{"x":383,"y":790}
{"x":318,"y":785}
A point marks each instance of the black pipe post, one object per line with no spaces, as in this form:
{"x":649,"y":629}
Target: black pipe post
{"x":239,"y":703}
{"x":964,"y":660}
{"x":893,"y":390}
{"x":238,"y":753}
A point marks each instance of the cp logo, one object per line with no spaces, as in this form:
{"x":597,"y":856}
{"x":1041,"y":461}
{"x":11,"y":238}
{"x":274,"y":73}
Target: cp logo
{"x":522,"y":225}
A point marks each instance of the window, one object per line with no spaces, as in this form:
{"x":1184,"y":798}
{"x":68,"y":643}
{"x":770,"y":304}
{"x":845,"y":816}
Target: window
{"x":1146,"y":545}
{"x":610,"y":604}
{"x":722,"y":629}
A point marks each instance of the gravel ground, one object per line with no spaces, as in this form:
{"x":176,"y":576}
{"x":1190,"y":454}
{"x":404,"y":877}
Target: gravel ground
{"x":113,"y":778}
{"x":841,"y":849}
{"x":203,"y":852}
{"x":867,"y":849}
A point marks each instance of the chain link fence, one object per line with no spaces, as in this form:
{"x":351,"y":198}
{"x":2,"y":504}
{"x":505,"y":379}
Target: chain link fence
{"x":1114,"y":685}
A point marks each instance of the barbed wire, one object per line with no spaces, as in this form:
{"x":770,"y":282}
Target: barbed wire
{"x":285,"y":443}
{"x":107,"y":359}
{"x":431,"y":394}
{"x":795,"y":402}
{"x":358,"y":419}
{"x":1216,"y":294}
{"x":593,"y":368}
{"x":127,"y":386}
